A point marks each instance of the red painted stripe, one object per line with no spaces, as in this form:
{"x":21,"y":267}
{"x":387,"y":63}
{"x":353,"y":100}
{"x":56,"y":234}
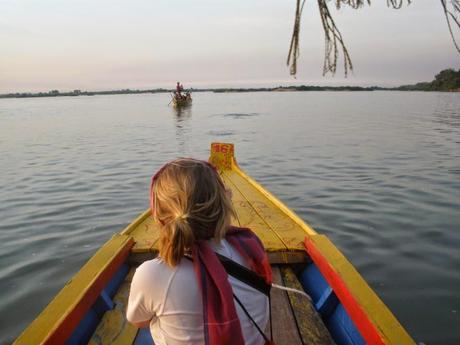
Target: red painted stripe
{"x":362,"y":322}
{"x":71,"y":321}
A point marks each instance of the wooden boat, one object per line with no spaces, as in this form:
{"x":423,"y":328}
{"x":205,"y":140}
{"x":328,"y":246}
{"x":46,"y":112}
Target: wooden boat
{"x":183,"y":101}
{"x":344,"y":309}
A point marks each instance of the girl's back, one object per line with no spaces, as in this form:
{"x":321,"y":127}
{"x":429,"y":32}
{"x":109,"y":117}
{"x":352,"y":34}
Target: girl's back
{"x":187,"y":302}
{"x":173,"y":295}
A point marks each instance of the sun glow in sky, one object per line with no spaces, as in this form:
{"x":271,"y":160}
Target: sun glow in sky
{"x":94,"y":45}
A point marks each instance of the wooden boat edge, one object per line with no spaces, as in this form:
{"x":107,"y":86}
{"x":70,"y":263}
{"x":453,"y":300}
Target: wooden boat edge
{"x":371,"y":316}
{"x":374,"y":320}
{"x":57,"y":321}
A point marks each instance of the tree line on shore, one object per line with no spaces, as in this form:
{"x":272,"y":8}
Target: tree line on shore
{"x":446,"y":80}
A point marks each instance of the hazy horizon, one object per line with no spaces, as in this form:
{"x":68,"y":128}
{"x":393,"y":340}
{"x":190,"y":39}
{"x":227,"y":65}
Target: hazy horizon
{"x":199,"y":86}
{"x":115,"y":45}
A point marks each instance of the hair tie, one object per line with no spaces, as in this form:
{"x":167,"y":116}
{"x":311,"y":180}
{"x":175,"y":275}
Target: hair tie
{"x":182,"y":217}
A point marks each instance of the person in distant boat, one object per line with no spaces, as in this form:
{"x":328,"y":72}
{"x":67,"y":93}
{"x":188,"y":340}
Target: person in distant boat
{"x":179,"y":89}
{"x":185,"y":295}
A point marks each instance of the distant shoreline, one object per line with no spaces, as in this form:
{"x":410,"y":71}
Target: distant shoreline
{"x":75,"y":93}
{"x":447,"y":80}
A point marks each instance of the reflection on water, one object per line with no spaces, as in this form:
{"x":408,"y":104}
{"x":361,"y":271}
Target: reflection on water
{"x":182,"y":111}
{"x":182,"y":116}
{"x":378,"y":172}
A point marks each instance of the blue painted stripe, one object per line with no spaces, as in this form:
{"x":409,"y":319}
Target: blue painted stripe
{"x":313,"y":282}
{"x":327,"y":303}
{"x":343,"y":329}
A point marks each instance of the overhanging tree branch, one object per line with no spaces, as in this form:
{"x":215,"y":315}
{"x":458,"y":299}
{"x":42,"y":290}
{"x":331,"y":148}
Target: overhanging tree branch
{"x":333,"y":38}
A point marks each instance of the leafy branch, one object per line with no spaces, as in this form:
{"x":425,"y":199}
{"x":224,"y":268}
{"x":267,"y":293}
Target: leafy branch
{"x":334,"y":40}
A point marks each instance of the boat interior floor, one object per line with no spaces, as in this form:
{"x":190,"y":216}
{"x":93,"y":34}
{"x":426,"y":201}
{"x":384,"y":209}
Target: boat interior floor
{"x":294,"y":319}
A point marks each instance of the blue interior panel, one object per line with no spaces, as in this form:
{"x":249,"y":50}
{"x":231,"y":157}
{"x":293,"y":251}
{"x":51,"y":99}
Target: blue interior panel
{"x":336,"y":319}
{"x":342,"y":328}
{"x":115,"y":282}
{"x":327,"y":303}
{"x":313,"y":282}
{"x":88,"y":324}
{"x":85,"y":328}
{"x":143,"y":337}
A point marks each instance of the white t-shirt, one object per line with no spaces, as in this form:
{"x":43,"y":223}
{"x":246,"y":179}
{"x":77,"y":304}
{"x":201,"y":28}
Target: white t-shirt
{"x":171,"y":299}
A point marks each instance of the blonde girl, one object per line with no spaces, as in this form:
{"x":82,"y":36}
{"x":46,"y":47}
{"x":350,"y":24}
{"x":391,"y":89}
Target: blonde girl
{"x":185,"y":295}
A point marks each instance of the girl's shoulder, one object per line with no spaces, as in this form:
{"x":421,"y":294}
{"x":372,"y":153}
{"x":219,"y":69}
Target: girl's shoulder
{"x":157,"y":264}
{"x":153,"y":270}
{"x":157,"y":269}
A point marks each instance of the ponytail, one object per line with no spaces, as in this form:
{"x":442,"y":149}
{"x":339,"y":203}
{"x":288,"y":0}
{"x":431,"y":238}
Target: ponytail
{"x":189,"y":200}
{"x":176,"y":239}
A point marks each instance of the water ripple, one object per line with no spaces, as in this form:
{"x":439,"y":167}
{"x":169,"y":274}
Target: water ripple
{"x":376,"y":172}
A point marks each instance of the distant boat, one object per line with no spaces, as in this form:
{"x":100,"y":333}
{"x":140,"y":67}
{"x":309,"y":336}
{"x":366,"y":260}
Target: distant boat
{"x":343,"y":309}
{"x":182,"y":100}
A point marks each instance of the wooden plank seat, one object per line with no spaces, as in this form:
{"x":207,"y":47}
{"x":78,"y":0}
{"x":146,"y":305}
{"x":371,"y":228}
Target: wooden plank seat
{"x":294,"y":318}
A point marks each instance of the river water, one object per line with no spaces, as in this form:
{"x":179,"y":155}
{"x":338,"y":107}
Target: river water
{"x":378,"y":172}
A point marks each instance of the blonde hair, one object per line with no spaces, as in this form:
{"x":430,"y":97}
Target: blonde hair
{"x":189,"y":199}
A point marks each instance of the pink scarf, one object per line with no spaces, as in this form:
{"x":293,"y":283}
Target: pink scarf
{"x":221,"y":323}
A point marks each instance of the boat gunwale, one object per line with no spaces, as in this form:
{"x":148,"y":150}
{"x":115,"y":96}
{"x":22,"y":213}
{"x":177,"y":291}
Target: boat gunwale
{"x":134,"y":224}
{"x":352,"y":283}
{"x":374,"y":320}
{"x":61,"y":326}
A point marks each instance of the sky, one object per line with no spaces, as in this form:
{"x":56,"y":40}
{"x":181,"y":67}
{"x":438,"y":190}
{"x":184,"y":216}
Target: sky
{"x":141,"y":44}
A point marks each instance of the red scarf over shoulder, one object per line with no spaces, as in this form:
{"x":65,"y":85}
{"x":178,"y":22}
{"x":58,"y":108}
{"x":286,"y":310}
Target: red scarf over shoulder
{"x":221,"y":322}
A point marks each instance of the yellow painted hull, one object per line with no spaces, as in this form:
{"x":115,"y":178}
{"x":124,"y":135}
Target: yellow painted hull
{"x":181,"y":102}
{"x":288,"y":241}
